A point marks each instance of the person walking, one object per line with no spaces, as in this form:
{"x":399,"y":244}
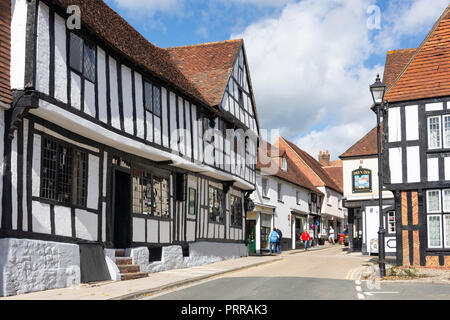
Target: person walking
{"x":305,"y":238}
{"x":280,"y":235}
{"x":331,"y":235}
{"x":273,"y":238}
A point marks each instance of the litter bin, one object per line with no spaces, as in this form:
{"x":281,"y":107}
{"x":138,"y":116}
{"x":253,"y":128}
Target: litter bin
{"x":321,"y":241}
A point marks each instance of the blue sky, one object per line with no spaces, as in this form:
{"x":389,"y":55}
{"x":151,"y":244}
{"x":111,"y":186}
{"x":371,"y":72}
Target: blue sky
{"x":311,"y":61}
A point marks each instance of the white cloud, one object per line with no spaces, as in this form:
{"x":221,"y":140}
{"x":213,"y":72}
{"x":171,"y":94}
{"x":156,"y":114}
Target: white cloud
{"x":308,"y":67}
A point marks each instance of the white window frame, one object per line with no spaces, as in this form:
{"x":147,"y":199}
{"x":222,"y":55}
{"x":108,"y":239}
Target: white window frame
{"x":440,"y":206}
{"x":283,"y":164}
{"x":389,"y":222}
{"x":428,"y":231}
{"x":446,"y":235}
{"x":265,"y":191}
{"x":443,"y":132}
{"x":279,"y":192}
{"x":440,"y":132}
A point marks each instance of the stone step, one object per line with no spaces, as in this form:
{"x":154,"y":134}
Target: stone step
{"x":123,"y":261}
{"x":120,"y":253}
{"x":131,"y":276}
{"x":128,"y":268}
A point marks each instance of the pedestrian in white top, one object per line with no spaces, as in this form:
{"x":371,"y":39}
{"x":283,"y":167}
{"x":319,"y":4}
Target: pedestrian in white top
{"x":331,"y":235}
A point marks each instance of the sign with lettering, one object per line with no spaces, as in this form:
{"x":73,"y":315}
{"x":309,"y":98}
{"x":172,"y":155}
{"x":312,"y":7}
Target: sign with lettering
{"x":362,"y":180}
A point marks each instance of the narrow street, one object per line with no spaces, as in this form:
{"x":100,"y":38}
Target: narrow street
{"x":328,"y":274}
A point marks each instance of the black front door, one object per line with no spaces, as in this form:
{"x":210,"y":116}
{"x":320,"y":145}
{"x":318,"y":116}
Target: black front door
{"x":122,"y":209}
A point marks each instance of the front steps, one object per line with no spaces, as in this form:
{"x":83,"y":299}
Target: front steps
{"x":128,"y":270}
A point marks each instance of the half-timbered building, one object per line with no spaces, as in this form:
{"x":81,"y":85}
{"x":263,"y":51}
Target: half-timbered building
{"x":416,"y":151}
{"x":112,"y":142}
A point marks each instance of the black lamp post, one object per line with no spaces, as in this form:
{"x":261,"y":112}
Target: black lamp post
{"x":378,"y":89}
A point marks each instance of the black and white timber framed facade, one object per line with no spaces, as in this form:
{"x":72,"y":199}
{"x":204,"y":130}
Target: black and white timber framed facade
{"x":100,"y":150}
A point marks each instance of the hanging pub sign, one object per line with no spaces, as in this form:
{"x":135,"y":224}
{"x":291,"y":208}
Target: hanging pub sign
{"x":362,"y":180}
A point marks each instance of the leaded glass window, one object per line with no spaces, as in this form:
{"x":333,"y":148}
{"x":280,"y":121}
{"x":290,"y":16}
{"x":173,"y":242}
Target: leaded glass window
{"x":156,"y":101}
{"x":236,"y":211}
{"x":89,"y":62}
{"x":82,"y":57}
{"x":63,"y":173}
{"x":433,"y":201}
{"x":447,"y":230}
{"x":434,"y":231}
{"x":434,"y":132}
{"x":152,"y":97}
{"x":216,"y":213}
{"x":446,"y":125}
{"x":446,"y":200}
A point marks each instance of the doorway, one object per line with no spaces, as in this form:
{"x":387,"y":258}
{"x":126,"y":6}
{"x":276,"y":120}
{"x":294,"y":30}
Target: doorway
{"x":122,"y":209}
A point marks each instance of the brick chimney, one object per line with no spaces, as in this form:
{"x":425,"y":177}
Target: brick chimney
{"x":324,"y":159}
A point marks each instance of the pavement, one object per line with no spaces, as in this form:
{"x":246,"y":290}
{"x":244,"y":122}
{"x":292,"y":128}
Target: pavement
{"x":155,"y":282}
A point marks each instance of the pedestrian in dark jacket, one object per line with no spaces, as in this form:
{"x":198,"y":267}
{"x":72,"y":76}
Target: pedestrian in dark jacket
{"x":280,"y":234}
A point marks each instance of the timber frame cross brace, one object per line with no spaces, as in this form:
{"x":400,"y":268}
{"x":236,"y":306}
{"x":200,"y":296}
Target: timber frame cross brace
{"x":23,"y":101}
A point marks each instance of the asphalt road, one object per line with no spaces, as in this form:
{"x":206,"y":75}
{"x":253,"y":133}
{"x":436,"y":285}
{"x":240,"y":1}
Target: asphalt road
{"x":328,"y":274}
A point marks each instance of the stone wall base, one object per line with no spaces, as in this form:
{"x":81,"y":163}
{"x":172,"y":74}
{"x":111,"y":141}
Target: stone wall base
{"x":33,"y":265}
{"x":200,"y":253}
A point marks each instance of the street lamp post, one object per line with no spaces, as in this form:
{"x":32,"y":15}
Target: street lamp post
{"x":378,"y":90}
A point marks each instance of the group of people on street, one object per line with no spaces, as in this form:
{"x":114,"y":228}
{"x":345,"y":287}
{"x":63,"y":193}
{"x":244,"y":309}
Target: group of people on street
{"x":275,"y":240}
{"x":276,"y":235}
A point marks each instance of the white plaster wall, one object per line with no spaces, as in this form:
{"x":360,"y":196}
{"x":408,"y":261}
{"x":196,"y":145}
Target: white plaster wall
{"x":75,"y":86}
{"x":413,"y":164}
{"x":412,"y":122}
{"x":447,"y":168}
{"x":182,"y":143}
{"x":395,"y":128}
{"x":157,"y":124}
{"x":149,"y":120}
{"x":165,"y":118}
{"x":63,"y":224}
{"x":138,"y":230}
{"x":434,"y":106}
{"x":104,"y":222}
{"x":31,"y":265}
{"x":14,"y":181}
{"x":86,"y":225}
{"x":41,"y":218}
{"x":115,"y":116}
{"x":165,"y":232}
{"x":139,"y":105}
{"x":152,"y":231}
{"x":43,"y":49}
{"x":127,"y":98}
{"x":93,"y":182}
{"x":19,"y":10}
{"x":60,"y":59}
{"x":433,"y":169}
{"x":173,"y":121}
{"x":89,"y":98}
{"x":36,"y":172}
{"x":25,"y":168}
{"x":395,"y":165}
{"x":101,"y":82}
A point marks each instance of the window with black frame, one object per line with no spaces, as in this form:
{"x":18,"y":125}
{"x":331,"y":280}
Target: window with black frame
{"x":82,"y":57}
{"x":63,"y":173}
{"x":236,"y":211}
{"x":150,"y":194}
{"x":216,"y":205}
{"x":152,"y":98}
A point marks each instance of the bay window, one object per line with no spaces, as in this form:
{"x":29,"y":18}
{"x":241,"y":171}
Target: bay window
{"x":438,"y":128}
{"x":150,"y":194}
{"x":216,"y":210}
{"x":438,"y":218}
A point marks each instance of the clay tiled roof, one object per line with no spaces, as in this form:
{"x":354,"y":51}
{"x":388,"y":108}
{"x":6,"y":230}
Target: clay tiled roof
{"x":427,"y":75}
{"x":5,"y":51}
{"x":208,"y":66}
{"x":111,"y":27}
{"x":315,"y":166}
{"x":367,"y":146}
{"x":293,"y":173}
{"x":396,"y":61}
{"x":337,"y":174}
